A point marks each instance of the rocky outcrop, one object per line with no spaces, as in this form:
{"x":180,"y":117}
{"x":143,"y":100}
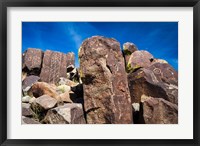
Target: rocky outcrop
{"x":105,"y":86}
{"x":159,"y":80}
{"x":66,"y":114}
{"x":112,"y":86}
{"x":54,"y":66}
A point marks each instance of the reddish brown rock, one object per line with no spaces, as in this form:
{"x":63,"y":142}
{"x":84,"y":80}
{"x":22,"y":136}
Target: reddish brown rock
{"x":54,"y":66}
{"x":70,"y":59}
{"x":32,"y":61}
{"x":128,"y":49}
{"x":159,"y":111}
{"x":41,"y":88}
{"x":139,"y":59}
{"x":159,"y":80}
{"x":106,"y":93}
{"x":67,"y":114}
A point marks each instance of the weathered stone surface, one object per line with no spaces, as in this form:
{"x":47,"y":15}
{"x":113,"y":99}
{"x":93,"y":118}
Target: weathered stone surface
{"x":159,"y":80}
{"x":32,"y":60}
{"x":106,"y":93}
{"x":46,"y":102}
{"x":26,"y":109}
{"x":40,"y":88}
{"x":70,"y":59}
{"x":159,"y":111}
{"x":29,"y":81}
{"x":67,"y":114}
{"x":139,"y":59}
{"x":54,"y":66}
{"x":26,"y":120}
{"x":128,"y":49}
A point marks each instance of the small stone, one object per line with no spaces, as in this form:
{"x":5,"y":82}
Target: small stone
{"x":26,"y":110}
{"x":26,"y":99}
{"x":26,"y":120}
{"x":46,"y":102}
{"x":71,"y":113}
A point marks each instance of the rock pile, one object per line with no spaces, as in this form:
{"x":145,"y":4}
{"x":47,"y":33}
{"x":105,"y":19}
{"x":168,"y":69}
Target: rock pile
{"x":112,"y":86}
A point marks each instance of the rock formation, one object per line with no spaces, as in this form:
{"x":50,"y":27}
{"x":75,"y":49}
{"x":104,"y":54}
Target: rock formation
{"x":105,"y":85}
{"x":111,"y":86}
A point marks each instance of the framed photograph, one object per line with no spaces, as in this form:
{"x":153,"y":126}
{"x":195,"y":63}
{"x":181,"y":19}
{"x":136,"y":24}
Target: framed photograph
{"x":99,"y":72}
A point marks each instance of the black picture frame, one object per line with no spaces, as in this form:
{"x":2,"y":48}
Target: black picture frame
{"x":4,"y":4}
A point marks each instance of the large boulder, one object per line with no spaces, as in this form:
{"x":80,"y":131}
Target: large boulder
{"x":70,"y":58}
{"x":32,"y":61}
{"x":54,"y":66}
{"x":139,"y":59}
{"x":159,"y":80}
{"x":128,"y":49}
{"x":105,"y":86}
{"x":40,"y":88}
{"x":67,"y":114}
{"x":159,"y":111}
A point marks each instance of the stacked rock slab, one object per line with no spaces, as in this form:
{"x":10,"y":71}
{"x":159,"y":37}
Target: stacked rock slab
{"x":105,"y":86}
{"x":54,"y":66}
{"x":32,"y":61}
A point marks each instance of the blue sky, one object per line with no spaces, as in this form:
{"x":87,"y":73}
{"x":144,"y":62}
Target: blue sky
{"x":159,"y":38}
